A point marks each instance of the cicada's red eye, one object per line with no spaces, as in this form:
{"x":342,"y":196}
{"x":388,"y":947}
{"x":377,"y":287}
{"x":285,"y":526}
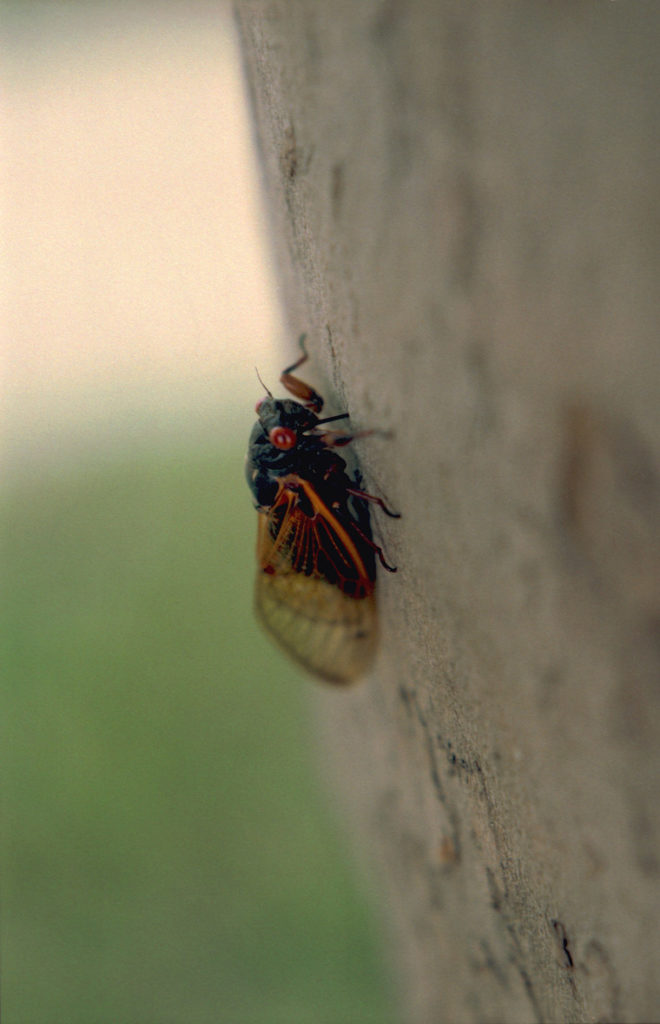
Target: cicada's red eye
{"x":283,"y":438}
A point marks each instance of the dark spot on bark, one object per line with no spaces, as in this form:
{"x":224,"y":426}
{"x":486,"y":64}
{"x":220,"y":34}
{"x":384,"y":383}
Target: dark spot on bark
{"x":407,"y":698}
{"x":494,"y":891}
{"x":562,"y":939}
{"x":609,"y":505}
{"x":337,"y":189}
{"x":289,"y":155}
{"x":331,"y":344}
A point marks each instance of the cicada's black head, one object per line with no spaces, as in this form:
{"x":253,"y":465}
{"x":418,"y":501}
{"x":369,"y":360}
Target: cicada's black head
{"x":283,"y":421}
{"x":282,"y":441}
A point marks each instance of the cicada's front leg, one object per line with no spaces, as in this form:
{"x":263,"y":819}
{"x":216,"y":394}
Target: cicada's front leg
{"x":303,"y":392}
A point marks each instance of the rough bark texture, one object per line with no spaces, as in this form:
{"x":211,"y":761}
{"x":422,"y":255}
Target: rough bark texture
{"x":464,"y":205}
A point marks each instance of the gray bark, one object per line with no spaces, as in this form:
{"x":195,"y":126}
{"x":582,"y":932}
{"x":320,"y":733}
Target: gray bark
{"x":464,"y":207}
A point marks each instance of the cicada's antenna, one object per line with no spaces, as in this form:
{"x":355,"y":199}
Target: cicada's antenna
{"x":269,"y":393}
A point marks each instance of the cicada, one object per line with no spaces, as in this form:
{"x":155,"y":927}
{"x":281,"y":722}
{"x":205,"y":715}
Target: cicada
{"x":316,"y":575}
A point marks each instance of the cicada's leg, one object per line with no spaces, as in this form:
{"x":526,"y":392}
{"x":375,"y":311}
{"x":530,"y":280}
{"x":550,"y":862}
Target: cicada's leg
{"x":377,"y":549}
{"x":307,"y":395}
{"x":377,"y":501}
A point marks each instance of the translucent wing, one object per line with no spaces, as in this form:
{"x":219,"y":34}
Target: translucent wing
{"x":314,"y":590}
{"x":323,"y":629}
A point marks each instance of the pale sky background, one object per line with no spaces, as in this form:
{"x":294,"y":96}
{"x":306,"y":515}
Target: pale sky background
{"x":138,"y":294}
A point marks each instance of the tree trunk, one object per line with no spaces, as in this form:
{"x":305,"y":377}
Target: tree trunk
{"x":464,"y":206}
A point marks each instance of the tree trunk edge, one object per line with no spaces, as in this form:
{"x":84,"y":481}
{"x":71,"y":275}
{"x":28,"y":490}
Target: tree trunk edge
{"x":461,"y":201}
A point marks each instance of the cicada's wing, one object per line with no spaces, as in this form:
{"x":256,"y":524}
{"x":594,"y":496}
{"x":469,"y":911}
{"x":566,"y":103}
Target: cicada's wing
{"x":314,"y":590}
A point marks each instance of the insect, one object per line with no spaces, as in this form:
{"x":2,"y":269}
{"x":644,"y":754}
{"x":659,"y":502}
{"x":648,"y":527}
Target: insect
{"x":316,"y":575}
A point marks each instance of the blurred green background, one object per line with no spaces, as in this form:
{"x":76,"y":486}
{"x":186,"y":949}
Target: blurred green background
{"x":168,"y":853}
